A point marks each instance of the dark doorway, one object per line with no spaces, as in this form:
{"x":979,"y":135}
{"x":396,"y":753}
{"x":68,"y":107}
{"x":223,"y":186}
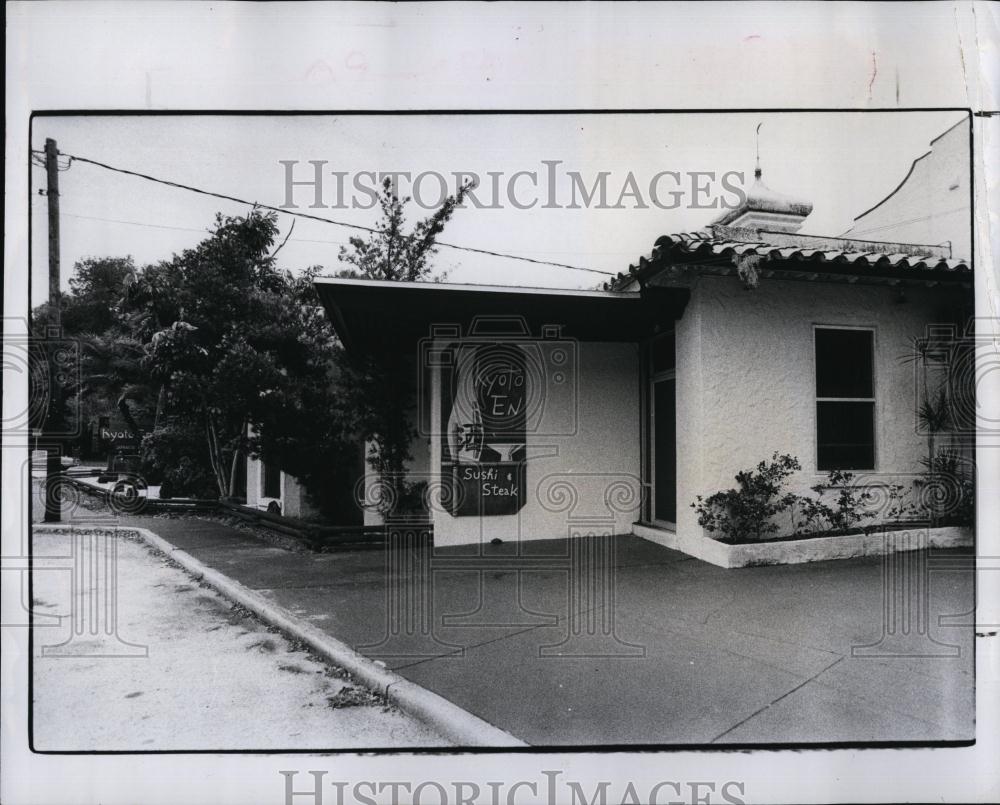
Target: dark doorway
{"x":664,"y":430}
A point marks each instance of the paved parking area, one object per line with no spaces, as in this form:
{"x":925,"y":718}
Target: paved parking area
{"x":622,"y":641}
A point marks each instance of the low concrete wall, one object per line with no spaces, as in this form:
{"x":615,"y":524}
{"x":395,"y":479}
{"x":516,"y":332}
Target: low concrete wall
{"x":708,"y":550}
{"x":813,"y":549}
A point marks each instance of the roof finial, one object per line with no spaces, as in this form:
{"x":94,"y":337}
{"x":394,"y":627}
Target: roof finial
{"x":756,"y":171}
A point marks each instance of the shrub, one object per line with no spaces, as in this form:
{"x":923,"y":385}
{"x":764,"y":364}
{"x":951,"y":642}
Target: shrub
{"x":175,"y":458}
{"x":898,"y":506}
{"x":413,"y":500}
{"x":948,"y":489}
{"x":746,"y":512}
{"x":847,"y":511}
{"x":816,"y":515}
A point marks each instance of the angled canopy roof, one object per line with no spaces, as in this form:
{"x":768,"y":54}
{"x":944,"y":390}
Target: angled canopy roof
{"x":374,"y":316}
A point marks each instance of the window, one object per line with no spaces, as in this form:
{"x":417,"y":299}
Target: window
{"x":272,"y":481}
{"x":845,"y":399}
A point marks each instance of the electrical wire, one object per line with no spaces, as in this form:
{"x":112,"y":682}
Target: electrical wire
{"x":372,"y":230}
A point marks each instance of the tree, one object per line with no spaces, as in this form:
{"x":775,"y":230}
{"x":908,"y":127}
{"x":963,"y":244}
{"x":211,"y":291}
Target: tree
{"x":378,"y":391}
{"x":390,"y":253}
{"x":112,"y":370}
{"x":88,"y":315}
{"x":310,"y":433}
{"x":96,"y":287}
{"x":225,"y":339}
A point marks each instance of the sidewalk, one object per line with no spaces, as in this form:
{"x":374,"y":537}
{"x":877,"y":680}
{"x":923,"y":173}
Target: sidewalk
{"x":697,"y":654}
{"x":185,"y":670}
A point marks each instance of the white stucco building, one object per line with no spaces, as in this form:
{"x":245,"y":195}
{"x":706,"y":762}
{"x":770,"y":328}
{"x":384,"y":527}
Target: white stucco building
{"x":551,"y":413}
{"x":269,"y":488}
{"x":931,"y":204}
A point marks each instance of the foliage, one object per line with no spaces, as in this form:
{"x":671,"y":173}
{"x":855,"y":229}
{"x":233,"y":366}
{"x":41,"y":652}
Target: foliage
{"x":378,"y":390}
{"x":390,"y":253}
{"x":216,"y":353}
{"x":378,"y":393}
{"x":96,"y":287}
{"x":198,"y":347}
{"x":228,"y":341}
{"x":52,"y":357}
{"x":89,"y":308}
{"x":898,"y":506}
{"x":934,"y":412}
{"x":311,"y":434}
{"x":746,"y":512}
{"x":113,"y":375}
{"x":949,"y":488}
{"x":848,"y":508}
{"x":173,"y":456}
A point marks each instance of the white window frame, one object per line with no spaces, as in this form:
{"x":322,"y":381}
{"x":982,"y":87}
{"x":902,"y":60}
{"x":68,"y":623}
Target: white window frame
{"x":873,"y":399}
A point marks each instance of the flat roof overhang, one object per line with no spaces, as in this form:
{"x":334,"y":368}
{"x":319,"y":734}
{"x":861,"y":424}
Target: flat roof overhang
{"x":373,"y":316}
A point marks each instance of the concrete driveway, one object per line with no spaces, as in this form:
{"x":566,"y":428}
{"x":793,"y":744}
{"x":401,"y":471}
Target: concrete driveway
{"x":620,"y":641}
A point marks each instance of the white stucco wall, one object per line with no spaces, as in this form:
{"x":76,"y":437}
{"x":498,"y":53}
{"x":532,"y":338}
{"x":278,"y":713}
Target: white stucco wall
{"x":932,"y":205}
{"x":570,"y":477}
{"x":745,"y":378}
{"x":293,"y":500}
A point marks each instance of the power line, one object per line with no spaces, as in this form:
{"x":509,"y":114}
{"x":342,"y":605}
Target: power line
{"x":133,"y":223}
{"x":202,"y":230}
{"x":225,"y":197}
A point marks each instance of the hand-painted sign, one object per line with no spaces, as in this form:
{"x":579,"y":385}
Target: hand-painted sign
{"x":117,"y":435}
{"x":483,"y":402}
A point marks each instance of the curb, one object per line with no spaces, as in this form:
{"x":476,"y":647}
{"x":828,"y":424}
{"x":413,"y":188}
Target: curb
{"x":454,"y":723}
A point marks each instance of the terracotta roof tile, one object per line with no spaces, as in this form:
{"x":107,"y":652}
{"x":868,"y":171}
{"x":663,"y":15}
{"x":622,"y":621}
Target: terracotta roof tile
{"x":721,"y":241}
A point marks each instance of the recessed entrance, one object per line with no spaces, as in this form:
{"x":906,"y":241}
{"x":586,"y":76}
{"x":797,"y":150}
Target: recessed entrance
{"x":663,"y":430}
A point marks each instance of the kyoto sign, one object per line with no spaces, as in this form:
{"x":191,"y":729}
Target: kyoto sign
{"x":483,"y":404}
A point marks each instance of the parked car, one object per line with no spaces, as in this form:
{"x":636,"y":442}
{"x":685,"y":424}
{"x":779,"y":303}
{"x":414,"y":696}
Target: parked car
{"x":124,"y":463}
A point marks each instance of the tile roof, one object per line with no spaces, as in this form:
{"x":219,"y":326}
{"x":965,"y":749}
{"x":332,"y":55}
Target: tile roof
{"x":783,"y":251}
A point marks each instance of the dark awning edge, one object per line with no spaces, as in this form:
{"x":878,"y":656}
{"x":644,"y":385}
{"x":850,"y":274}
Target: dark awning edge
{"x":372,"y":316}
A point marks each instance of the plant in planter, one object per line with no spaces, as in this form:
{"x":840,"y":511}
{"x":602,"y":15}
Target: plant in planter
{"x":846,"y":512}
{"x":934,"y":416}
{"x":850,"y":501}
{"x":898,"y":506}
{"x":746,"y":513}
{"x":814,"y":515}
{"x":947,"y":491}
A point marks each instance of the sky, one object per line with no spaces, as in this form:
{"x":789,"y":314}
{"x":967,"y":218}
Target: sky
{"x":843,"y":163}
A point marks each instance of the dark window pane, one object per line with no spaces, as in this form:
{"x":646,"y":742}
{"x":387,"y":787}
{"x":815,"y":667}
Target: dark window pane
{"x":663,"y":352}
{"x":272,"y":481}
{"x":844,"y":363}
{"x":845,"y":435}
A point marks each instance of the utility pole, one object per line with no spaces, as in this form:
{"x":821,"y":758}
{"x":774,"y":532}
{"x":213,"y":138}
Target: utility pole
{"x":53,"y":459}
